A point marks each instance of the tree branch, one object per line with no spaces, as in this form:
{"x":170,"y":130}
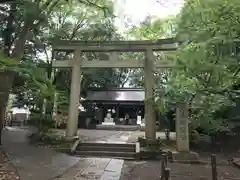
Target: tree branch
{"x":95,"y":5}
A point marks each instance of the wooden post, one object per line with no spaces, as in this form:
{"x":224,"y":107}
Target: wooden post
{"x":165,"y":159}
{"x":164,"y":165}
{"x":214,"y":167}
{"x":150,"y":127}
{"x":72,"y":122}
{"x":167,"y":174}
{"x":182,"y":132}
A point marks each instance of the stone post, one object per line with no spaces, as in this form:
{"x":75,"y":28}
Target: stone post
{"x":55,"y":106}
{"x":182,"y":131}
{"x":150,"y":121}
{"x":117,"y":114}
{"x":72,"y":122}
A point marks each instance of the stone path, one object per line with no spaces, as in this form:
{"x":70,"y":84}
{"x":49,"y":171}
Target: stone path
{"x":98,"y":168}
{"x":94,"y":169}
{"x":40,"y":163}
{"x":34,"y":162}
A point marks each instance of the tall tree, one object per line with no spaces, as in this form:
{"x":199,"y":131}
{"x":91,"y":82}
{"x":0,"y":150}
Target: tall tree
{"x":22,"y":23}
{"x":210,"y":60}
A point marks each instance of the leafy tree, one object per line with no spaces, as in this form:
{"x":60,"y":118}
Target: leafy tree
{"x":209,"y":79}
{"x":154,"y":28}
{"x":210,"y":60}
{"x":23,"y":32}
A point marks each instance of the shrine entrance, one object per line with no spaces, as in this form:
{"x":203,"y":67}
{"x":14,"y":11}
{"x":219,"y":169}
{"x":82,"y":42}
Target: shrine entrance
{"x":80,"y":61}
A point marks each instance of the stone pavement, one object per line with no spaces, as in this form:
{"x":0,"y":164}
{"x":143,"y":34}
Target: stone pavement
{"x":94,"y":169}
{"x":98,"y":168}
{"x":40,"y":163}
{"x":32,"y":162}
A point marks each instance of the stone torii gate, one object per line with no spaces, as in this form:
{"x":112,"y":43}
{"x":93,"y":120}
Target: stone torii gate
{"x":78,"y":63}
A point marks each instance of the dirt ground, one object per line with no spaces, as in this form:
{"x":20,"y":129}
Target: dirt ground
{"x":150,"y":170}
{"x":7,"y":171}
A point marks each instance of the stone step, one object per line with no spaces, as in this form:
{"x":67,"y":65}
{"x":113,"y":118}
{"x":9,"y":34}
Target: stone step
{"x":106,"y":148}
{"x":117,"y":155}
{"x":109,"y":145}
{"x":118,"y":127}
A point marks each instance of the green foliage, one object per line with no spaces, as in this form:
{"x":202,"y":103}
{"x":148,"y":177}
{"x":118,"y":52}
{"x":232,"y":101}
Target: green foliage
{"x":153,"y":145}
{"x":154,"y":28}
{"x":211,"y":60}
{"x":43,"y":124}
{"x":209,"y":77}
{"x":7,"y":63}
{"x":46,"y":138}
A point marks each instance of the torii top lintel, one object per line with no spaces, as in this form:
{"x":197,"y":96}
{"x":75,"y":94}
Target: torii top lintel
{"x":169,"y":44}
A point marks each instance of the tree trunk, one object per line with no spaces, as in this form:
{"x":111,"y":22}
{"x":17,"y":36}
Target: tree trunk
{"x":6,"y":80}
{"x":18,"y":50}
{"x":8,"y":31}
{"x":2,"y":116}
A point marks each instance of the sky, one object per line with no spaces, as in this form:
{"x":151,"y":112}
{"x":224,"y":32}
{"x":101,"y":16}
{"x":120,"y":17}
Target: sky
{"x":134,"y":11}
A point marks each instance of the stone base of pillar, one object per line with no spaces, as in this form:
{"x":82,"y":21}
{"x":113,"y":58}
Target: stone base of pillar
{"x":71,"y":138}
{"x":186,"y":157}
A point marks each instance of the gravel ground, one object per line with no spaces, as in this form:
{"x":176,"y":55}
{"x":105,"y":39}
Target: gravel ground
{"x":150,"y":170}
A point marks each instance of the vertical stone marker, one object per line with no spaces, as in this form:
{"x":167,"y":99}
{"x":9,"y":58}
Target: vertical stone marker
{"x":182,"y":131}
{"x":72,"y":122}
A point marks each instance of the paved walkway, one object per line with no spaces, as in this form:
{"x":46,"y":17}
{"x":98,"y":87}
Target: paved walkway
{"x":40,"y":163}
{"x":94,"y":169}
{"x":34,"y":162}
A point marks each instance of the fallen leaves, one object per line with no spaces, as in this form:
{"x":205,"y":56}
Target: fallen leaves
{"x":7,"y":170}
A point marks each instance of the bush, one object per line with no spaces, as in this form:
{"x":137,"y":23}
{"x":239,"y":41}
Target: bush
{"x":156,"y":144}
{"x":45,"y":138}
{"x":42,"y":124}
{"x":194,"y":137}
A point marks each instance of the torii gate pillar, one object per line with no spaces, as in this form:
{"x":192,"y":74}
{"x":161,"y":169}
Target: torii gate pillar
{"x":72,"y":123}
{"x":150,"y":120}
